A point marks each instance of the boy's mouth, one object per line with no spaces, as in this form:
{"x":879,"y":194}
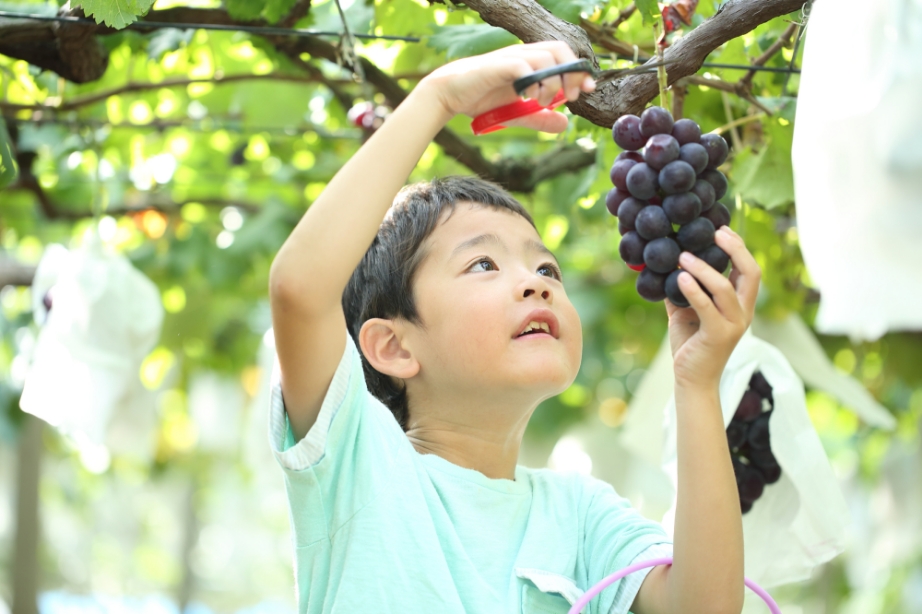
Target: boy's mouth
{"x":539,"y":322}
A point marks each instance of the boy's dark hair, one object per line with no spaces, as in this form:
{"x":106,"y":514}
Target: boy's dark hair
{"x":382,"y":284}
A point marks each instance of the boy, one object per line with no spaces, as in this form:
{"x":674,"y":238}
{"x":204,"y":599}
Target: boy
{"x":457,"y":321}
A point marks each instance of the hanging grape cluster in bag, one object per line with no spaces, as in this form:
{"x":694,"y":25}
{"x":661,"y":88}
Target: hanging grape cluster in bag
{"x":666,"y":197}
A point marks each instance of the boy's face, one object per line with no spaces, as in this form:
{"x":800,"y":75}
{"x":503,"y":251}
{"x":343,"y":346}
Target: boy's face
{"x":487,"y":275}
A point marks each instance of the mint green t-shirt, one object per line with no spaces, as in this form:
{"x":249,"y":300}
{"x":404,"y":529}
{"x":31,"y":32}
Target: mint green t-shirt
{"x":378,"y":527}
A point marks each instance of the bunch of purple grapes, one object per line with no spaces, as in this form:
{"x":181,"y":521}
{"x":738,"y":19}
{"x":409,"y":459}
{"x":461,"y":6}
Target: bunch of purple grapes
{"x":750,"y":444}
{"x":666,"y":198}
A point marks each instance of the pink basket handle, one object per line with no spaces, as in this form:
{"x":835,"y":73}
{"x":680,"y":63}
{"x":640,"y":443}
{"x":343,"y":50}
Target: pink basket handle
{"x":595,"y":590}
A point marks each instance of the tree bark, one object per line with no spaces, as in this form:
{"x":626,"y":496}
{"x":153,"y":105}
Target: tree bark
{"x":25,"y":548}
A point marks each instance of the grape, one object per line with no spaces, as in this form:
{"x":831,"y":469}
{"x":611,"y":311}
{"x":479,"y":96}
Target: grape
{"x":758,"y":383}
{"x":750,"y":406}
{"x":660,"y":150}
{"x":627,"y":134}
{"x":631,"y":248}
{"x":642,"y":181}
{"x":695,"y":155}
{"x":651,"y":285}
{"x":655,"y":200}
{"x":682,"y":208}
{"x":661,"y":255}
{"x":745,"y":506}
{"x":717,"y":180}
{"x":623,"y":228}
{"x":655,"y":120}
{"x":758,"y":436}
{"x":686,"y":131}
{"x":652,"y":223}
{"x":736,"y":433}
{"x":628,"y":210}
{"x":718,"y":214}
{"x":705,"y":193}
{"x":770,"y":474}
{"x":751,"y":484}
{"x":677,"y":177}
{"x":619,"y":172}
{"x":613,"y":200}
{"x":629,"y":155}
{"x":673,"y":293}
{"x":716,"y":147}
{"x":716,"y":257}
{"x":696,"y":235}
{"x":762,"y":459}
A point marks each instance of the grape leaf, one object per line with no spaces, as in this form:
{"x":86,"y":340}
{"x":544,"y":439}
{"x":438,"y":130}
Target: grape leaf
{"x":466,"y":40}
{"x":116,"y":13}
{"x":245,"y":10}
{"x":7,"y":159}
{"x":648,"y":9}
{"x":276,"y":9}
{"x":570,"y":10}
{"x":767,"y":176}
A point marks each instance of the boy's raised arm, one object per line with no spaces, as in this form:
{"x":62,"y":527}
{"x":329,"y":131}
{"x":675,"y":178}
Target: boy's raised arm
{"x":314,"y":265}
{"x":707,"y":571}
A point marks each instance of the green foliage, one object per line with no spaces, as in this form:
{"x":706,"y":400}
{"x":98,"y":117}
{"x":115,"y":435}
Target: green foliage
{"x":648,"y":9}
{"x":116,"y":13}
{"x":467,"y":40}
{"x":251,"y":10}
{"x":245,"y":10}
{"x":8,"y":169}
{"x":167,"y":39}
{"x":570,"y":10}
{"x":766,"y":176}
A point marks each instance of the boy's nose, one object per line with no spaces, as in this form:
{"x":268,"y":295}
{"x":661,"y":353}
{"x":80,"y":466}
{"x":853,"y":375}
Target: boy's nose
{"x":539,"y":288}
{"x":545,"y":294}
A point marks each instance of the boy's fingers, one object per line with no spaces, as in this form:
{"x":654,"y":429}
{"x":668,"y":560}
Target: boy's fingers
{"x":545,"y":120}
{"x":543,"y":92}
{"x":698,"y":300}
{"x":548,"y":54}
{"x":561,"y":51}
{"x":720,"y":287}
{"x":549,"y":88}
{"x":746,"y":273}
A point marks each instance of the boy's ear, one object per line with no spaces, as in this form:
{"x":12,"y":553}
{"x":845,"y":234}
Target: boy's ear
{"x":382,"y":345}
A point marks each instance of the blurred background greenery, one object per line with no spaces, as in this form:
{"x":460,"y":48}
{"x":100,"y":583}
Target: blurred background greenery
{"x":195,"y":152}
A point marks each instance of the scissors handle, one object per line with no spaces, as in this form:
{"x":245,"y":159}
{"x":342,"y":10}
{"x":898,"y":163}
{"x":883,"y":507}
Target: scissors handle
{"x":525,"y":82}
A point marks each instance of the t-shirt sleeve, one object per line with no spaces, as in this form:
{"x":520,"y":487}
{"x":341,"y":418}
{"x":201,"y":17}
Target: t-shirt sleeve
{"x":345,"y":458}
{"x":616,"y":537}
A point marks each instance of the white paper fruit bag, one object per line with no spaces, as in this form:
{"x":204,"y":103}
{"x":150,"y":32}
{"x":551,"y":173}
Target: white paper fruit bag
{"x":799,"y":521}
{"x":105,"y":317}
{"x":858,"y":165}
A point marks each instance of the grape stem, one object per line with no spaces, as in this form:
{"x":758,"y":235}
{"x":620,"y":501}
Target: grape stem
{"x":661,"y":71}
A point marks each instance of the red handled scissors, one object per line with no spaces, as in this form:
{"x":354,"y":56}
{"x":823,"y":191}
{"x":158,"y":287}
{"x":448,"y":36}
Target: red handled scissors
{"x":492,"y":120}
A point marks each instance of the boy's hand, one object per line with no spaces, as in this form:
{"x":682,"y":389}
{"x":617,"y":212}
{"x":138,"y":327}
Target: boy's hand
{"x":478,"y":84}
{"x":703,"y":336}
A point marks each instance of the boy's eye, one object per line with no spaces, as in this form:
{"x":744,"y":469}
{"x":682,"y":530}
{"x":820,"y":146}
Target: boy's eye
{"x":483,"y":265}
{"x":550,"y":270}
